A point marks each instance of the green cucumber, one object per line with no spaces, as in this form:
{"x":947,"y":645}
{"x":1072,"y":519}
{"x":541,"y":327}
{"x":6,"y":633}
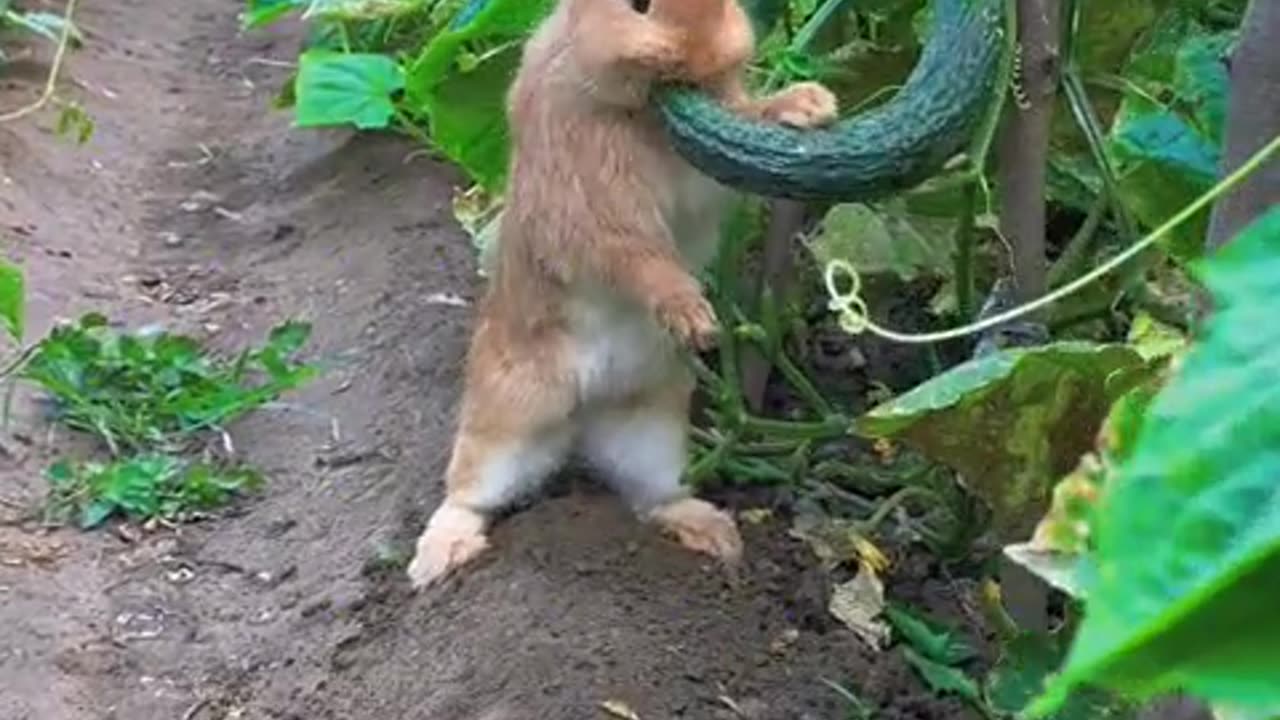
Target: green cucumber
{"x":886,"y":150}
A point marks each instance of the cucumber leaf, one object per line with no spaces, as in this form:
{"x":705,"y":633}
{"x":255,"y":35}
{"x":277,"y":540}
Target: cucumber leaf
{"x":460,"y":80}
{"x":338,"y":88}
{"x":1187,"y":561}
{"x":1012,"y":422}
{"x":468,"y":118}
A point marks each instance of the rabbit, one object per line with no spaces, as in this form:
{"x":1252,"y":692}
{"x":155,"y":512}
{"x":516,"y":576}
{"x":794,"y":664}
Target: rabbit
{"x":592,"y":291}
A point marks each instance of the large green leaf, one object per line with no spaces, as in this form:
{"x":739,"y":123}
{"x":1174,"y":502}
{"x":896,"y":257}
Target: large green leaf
{"x":338,"y":88}
{"x":13,"y":300}
{"x":1187,"y":560}
{"x":1013,"y":422}
{"x":468,"y":118}
{"x":460,"y":82}
{"x":488,"y":21}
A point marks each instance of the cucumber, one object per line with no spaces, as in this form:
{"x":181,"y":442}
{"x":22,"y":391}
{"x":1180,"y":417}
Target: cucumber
{"x":886,"y":150}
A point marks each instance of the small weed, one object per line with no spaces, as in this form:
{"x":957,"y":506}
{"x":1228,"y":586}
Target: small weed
{"x":142,"y":487}
{"x":150,"y":397}
{"x":157,"y":391}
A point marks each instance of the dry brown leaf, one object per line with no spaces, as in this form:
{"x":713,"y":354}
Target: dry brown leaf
{"x":619,"y":709}
{"x":858,"y":604}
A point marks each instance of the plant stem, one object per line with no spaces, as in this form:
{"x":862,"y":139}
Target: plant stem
{"x":51,"y":83}
{"x":1024,"y":147}
{"x":803,"y":385}
{"x":964,"y":252}
{"x":709,"y":463}
{"x":411,"y":129}
{"x":823,"y":430}
{"x":1087,"y":119}
{"x":1253,"y":120}
{"x":815,"y":23}
{"x":893,"y":502}
{"x":1024,"y":155}
{"x":727,"y":260}
{"x":785,"y":220}
{"x":1075,"y":257}
{"x":804,"y":36}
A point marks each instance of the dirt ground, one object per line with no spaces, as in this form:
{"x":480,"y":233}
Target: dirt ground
{"x":198,"y":207}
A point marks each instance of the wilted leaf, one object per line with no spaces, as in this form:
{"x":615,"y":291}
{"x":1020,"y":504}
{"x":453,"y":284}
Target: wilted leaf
{"x":858,"y":604}
{"x":836,"y":541}
{"x":336,"y":88}
{"x":1153,"y":339}
{"x":1057,"y":551}
{"x":1065,"y":528}
{"x":1188,"y":539}
{"x":1124,"y":423}
{"x":480,"y":214}
{"x":1012,"y":422}
{"x":885,"y":238}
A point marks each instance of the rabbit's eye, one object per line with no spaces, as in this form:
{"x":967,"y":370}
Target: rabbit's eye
{"x":640,"y":6}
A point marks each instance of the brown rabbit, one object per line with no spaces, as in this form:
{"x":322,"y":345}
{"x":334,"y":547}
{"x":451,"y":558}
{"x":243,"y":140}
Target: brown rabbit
{"x":592,"y":290}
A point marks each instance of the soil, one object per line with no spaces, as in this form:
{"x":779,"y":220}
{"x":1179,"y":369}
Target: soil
{"x":197,"y":207}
